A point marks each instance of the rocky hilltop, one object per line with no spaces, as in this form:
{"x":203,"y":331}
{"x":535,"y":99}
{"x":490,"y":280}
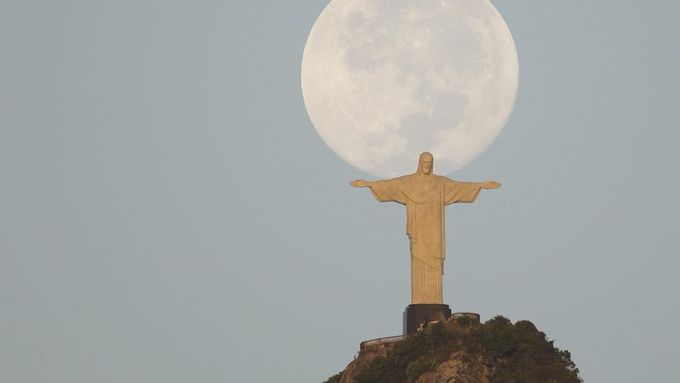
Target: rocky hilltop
{"x":461,"y":350}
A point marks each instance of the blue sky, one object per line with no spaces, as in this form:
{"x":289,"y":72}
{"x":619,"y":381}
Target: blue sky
{"x":169,"y":214}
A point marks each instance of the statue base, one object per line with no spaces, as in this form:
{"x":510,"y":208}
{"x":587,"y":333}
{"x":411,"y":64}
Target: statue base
{"x":418,"y":314}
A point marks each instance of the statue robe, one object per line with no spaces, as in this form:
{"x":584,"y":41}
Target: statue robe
{"x":425,"y":197}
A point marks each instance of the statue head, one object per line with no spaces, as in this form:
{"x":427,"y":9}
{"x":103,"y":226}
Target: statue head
{"x":425,"y":163}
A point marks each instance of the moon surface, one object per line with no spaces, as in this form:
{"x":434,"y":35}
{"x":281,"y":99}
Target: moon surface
{"x":384,"y":80}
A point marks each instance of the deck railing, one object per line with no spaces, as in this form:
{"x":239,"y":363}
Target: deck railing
{"x":379,"y":341}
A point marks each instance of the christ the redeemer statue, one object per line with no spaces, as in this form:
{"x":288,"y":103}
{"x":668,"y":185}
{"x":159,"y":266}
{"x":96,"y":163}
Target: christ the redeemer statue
{"x":425,"y":196}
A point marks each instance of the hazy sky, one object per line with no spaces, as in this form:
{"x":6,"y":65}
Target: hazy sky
{"x":168,"y":213}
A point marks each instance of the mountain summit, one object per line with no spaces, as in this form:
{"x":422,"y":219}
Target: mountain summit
{"x":461,"y":350}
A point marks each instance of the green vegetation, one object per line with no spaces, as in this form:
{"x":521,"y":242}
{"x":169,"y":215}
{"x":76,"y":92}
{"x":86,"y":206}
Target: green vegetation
{"x":516,"y":353}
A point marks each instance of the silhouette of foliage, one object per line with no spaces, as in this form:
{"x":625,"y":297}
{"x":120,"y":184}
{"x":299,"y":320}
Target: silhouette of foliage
{"x":517,"y":353}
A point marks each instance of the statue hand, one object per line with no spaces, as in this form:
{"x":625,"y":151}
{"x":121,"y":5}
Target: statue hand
{"x":359,"y":183}
{"x":491,"y":185}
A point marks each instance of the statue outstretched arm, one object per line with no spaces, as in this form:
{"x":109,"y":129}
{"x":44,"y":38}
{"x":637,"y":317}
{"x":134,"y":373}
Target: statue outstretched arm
{"x":466,"y":192}
{"x":384,"y":191}
{"x":360,"y":183}
{"x":491,"y":185}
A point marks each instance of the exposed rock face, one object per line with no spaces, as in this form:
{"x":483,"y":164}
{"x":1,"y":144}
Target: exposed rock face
{"x":463,"y":351}
{"x":366,"y":356}
{"x":456,"y":370}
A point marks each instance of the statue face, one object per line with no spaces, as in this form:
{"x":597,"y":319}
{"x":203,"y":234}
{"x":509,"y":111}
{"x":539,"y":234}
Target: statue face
{"x":427,"y":165}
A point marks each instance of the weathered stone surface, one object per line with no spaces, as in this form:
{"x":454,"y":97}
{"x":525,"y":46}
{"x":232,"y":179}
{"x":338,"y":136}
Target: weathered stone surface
{"x":456,"y":370}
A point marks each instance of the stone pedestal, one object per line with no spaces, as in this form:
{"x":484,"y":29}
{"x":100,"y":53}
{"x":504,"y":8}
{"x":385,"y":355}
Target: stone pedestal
{"x":417,"y":314}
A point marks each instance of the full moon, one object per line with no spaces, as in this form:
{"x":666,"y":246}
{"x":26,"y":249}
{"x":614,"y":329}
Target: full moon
{"x":384,"y":80}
